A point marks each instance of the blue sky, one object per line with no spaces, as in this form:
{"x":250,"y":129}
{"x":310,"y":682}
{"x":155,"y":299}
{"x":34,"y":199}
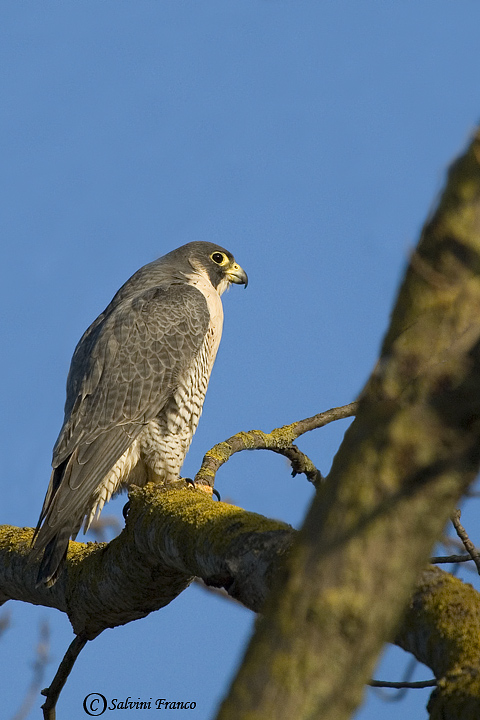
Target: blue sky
{"x":308,"y":138}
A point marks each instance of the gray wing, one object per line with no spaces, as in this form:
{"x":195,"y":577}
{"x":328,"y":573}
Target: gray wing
{"x":123,"y":371}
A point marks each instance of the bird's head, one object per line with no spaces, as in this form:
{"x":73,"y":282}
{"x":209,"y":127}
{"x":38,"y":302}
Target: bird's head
{"x":215,"y":262}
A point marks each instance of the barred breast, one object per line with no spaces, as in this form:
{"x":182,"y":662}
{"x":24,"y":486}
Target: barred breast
{"x":165,"y":441}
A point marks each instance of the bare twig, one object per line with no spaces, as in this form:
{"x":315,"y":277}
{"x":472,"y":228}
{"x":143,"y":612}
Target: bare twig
{"x":403,"y":685}
{"x":455,"y":544}
{"x":462,"y":534}
{"x":279,"y":440}
{"x":52,"y":693}
{"x":40,"y":663}
{"x":450,"y":559}
{"x":320,"y":420}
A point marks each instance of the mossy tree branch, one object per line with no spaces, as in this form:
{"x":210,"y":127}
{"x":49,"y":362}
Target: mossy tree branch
{"x":170,"y":537}
{"x":441,"y":628}
{"x":183,"y":533}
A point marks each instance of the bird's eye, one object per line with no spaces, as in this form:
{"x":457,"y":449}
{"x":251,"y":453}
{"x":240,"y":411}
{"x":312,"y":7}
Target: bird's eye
{"x":219,"y":258}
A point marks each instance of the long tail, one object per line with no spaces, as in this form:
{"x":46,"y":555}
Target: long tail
{"x":53,"y":558}
{"x":53,"y":545}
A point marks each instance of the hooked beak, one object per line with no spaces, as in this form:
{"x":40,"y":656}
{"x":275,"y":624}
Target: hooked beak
{"x":237,"y":275}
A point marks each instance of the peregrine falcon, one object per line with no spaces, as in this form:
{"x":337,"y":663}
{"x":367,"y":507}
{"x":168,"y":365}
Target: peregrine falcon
{"x":135,"y":391}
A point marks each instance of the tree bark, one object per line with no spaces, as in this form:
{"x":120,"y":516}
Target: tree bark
{"x":442,"y":629}
{"x":170,"y":537}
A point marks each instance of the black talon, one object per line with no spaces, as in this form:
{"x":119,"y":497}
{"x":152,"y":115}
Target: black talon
{"x":125,"y":510}
{"x":191,"y":482}
{"x":217,"y":494}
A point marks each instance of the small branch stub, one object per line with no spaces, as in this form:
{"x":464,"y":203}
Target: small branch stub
{"x":279,"y":440}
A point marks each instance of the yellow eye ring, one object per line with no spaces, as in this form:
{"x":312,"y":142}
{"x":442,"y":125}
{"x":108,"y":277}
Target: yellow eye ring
{"x":219,"y":258}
